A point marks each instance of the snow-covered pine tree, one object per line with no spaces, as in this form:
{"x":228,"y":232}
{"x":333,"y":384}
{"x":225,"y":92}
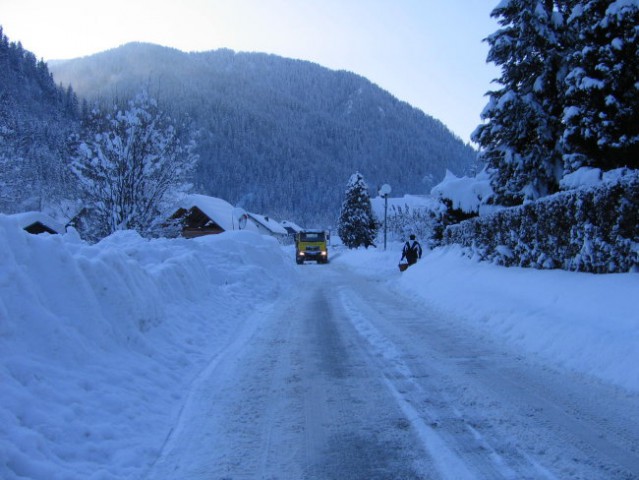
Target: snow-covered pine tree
{"x":520,"y":138}
{"x":356,"y":224}
{"x":602,"y":87}
{"x":132,"y":166}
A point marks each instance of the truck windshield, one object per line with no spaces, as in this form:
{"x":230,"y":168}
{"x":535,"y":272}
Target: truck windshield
{"x":312,"y":237}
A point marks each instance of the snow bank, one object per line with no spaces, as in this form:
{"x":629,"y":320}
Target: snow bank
{"x":99,"y":343}
{"x":584,"y":322}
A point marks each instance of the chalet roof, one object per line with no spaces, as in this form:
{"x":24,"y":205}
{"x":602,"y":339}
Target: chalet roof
{"x":218,"y":210}
{"x":268,"y":223}
{"x":37,"y":222}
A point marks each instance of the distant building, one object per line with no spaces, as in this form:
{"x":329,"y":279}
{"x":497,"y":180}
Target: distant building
{"x":37,"y":222}
{"x":268,"y":226}
{"x":291,"y":227}
{"x":204,"y":215}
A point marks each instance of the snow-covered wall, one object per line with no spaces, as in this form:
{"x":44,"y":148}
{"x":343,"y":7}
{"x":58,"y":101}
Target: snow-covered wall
{"x":99,"y":342}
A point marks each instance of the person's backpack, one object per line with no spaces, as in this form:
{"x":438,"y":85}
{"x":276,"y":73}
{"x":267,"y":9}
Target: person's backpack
{"x":412,"y":251}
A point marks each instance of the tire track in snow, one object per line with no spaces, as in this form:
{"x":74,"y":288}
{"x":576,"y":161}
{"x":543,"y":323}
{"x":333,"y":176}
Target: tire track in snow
{"x":541,"y":422}
{"x":461,"y":456}
{"x":192,"y":403}
{"x":351,"y":421}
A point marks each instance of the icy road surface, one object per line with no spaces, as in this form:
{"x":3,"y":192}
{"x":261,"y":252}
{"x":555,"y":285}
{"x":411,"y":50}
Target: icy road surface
{"x":349,"y":381}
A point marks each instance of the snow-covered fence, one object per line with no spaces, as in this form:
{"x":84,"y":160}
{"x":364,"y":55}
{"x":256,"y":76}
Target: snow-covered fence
{"x":591,"y":230}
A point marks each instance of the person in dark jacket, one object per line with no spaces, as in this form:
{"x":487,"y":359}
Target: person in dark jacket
{"x":412,"y":251}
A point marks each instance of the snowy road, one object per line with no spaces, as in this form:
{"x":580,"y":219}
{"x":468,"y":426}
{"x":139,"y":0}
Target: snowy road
{"x":345,"y":380}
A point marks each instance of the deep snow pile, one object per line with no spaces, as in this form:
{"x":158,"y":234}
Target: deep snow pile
{"x":98,"y":344}
{"x":583,"y":322}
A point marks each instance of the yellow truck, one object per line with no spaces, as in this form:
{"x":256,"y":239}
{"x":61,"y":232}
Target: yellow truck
{"x":311,"y":245}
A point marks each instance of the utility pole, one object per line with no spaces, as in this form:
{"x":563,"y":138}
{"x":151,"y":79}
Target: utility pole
{"x":384,"y":191}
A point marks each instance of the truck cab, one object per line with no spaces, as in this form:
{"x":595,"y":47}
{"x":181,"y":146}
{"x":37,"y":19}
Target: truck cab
{"x":311,"y":245}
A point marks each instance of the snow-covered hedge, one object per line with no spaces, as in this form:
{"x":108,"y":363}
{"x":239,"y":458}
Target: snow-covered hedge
{"x":592,"y":229}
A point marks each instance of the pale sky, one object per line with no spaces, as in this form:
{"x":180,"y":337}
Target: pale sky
{"x":428,"y":53}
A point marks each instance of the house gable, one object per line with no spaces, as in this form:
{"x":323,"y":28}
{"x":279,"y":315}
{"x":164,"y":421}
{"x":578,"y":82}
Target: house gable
{"x":196,"y":223}
{"x":37,"y":228}
{"x":267,"y":225}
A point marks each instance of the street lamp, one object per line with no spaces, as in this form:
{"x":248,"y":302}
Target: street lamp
{"x":384,"y":191}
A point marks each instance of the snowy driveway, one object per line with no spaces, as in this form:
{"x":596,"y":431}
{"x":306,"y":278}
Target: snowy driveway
{"x":349,"y":381}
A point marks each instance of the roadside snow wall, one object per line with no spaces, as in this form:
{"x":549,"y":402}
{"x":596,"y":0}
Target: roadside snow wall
{"x":99,"y":343}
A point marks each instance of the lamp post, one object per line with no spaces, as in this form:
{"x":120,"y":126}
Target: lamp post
{"x":384,"y":191}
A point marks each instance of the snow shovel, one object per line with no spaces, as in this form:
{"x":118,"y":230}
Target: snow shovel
{"x":403,"y":266}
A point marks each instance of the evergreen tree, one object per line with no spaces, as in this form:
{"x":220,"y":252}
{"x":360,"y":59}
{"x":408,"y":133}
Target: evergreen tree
{"x":356,"y":224}
{"x":34,"y":128}
{"x":602,"y":90}
{"x":131,"y":165}
{"x":520,"y":140}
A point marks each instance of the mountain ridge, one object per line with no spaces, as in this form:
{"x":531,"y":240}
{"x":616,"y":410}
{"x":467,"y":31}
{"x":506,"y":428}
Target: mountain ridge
{"x":278,"y":135}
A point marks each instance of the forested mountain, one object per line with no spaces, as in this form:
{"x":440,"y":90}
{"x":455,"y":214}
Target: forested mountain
{"x":276,"y":135}
{"x":36,"y":118}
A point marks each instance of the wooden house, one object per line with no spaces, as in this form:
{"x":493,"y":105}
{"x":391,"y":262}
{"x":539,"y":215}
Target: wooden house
{"x":204,"y":215}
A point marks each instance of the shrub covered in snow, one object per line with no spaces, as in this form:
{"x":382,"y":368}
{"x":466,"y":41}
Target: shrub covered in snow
{"x":459,"y":198}
{"x":465,"y":194}
{"x":411,"y":214}
{"x":420,"y":220}
{"x":593,"y":229}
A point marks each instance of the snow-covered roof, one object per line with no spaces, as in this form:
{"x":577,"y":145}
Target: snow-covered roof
{"x":27,"y":219}
{"x":268,"y":223}
{"x":217,"y":209}
{"x":295,"y":227}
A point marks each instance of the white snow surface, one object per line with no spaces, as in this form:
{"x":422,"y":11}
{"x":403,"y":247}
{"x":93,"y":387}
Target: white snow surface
{"x":591,"y":177}
{"x":584,"y":322}
{"x":466,"y":193}
{"x":26,"y":219}
{"x":100,"y":344}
